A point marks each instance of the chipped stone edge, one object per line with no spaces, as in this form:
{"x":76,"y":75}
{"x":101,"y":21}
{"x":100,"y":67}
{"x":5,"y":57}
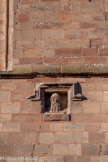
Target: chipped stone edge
{"x":56,"y":70}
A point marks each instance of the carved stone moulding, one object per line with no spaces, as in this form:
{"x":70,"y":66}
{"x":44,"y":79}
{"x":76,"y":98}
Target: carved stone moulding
{"x":56,"y":99}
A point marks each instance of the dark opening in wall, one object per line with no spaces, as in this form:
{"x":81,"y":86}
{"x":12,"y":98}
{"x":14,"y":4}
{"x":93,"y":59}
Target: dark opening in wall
{"x":63,"y":101}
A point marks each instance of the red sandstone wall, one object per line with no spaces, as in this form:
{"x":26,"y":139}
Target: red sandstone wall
{"x":23,"y":133}
{"x":61,"y":32}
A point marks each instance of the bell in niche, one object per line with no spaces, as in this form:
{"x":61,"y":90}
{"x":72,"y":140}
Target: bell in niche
{"x":55,"y":102}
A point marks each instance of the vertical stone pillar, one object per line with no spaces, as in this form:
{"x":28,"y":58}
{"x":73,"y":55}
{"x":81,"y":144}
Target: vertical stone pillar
{"x":6,"y":34}
{"x":10,"y":33}
{"x":3,"y":34}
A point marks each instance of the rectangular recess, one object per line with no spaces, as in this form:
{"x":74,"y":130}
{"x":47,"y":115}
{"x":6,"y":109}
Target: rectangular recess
{"x":64,"y":100}
{"x":65,"y":93}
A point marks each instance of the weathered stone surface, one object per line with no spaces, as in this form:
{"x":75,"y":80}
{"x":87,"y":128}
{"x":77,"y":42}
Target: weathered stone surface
{"x":92,"y":69}
{"x":55,"y":117}
{"x":96,"y":137}
{"x":70,"y":158}
{"x":73,"y":127}
{"x":22,"y":69}
{"x":5,"y":150}
{"x":23,"y":150}
{"x":51,"y":159}
{"x":64,"y":137}
{"x":5,"y":118}
{"x":3,"y":138}
{"x":43,"y":150}
{"x":84,"y":159}
{"x":89,"y":149}
{"x":60,"y":149}
{"x":103,"y":149}
{"x":81,"y":69}
{"x":11,"y":108}
{"x":74,"y":149}
{"x":4,"y":96}
{"x":26,"y":118}
{"x":100,"y":69}
{"x":11,"y":127}
{"x":46,"y":69}
{"x":56,"y":127}
{"x":15,"y":138}
{"x":55,"y":103}
{"x":30,"y":138}
{"x":81,"y":137}
{"x":46,"y":138}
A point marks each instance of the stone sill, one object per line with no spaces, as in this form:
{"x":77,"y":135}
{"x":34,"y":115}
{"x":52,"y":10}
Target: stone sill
{"x":56,"y":70}
{"x":55,"y":117}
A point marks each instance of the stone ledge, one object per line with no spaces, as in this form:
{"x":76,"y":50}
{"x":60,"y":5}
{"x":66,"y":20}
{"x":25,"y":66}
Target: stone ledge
{"x":43,"y":69}
{"x":56,"y":70}
{"x":80,"y":69}
{"x":55,"y":117}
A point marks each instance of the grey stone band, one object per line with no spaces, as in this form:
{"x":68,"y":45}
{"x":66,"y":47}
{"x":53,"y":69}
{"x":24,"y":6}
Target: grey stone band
{"x":56,"y":70}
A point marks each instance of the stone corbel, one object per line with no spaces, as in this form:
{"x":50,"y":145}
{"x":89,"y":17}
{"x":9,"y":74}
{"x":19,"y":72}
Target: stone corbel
{"x":77,"y":92}
{"x":36,"y":96}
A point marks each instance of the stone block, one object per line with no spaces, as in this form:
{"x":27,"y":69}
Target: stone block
{"x":84,"y":159}
{"x":89,"y":149}
{"x":15,"y":138}
{"x":26,"y":118}
{"x":5,"y":118}
{"x":81,"y":137}
{"x":0,"y":127}
{"x":73,"y":127}
{"x":96,"y":137}
{"x":105,"y":96}
{"x":56,"y":127}
{"x":103,"y":149}
{"x":91,"y":107}
{"x":45,"y":127}
{"x":86,"y":118}
{"x":57,"y":44}
{"x":59,"y":149}
{"x":52,"y":34}
{"x":68,"y":52}
{"x":5,"y":150}
{"x":22,"y":150}
{"x":4,"y":96}
{"x":70,"y":158}
{"x":55,"y":117}
{"x":30,"y":138}
{"x":3,"y":138}
{"x":51,"y":159}
{"x":74,"y":149}
{"x":23,"y":18}
{"x":11,"y":127}
{"x":64,"y":137}
{"x":29,"y":127}
{"x":103,"y":158}
{"x":76,"y":107}
{"x":46,"y":138}
{"x":106,"y":16}
{"x":75,"y":34}
{"x":46,"y":69}
{"x":43,"y":150}
{"x":104,"y":127}
{"x":12,"y":108}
